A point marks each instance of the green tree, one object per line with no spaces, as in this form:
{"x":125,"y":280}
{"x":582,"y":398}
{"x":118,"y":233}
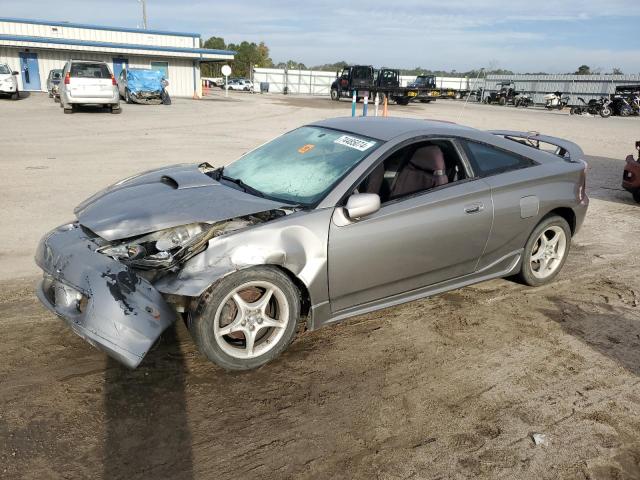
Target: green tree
{"x":249,"y":55}
{"x":215,"y":43}
{"x":583,"y":70}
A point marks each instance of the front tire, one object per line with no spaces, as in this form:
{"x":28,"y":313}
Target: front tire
{"x":247,"y":319}
{"x":127,"y":96}
{"x":605,"y":112}
{"x":636,"y":195}
{"x":335,"y":95}
{"x":545,"y":251}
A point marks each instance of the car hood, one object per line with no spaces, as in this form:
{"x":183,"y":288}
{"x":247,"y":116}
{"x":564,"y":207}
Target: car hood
{"x":4,"y":76}
{"x":164,"y":198}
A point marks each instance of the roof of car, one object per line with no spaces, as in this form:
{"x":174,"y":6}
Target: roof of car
{"x":386,"y":128}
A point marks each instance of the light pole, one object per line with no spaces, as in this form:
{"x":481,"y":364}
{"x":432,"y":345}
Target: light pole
{"x":144,"y":13}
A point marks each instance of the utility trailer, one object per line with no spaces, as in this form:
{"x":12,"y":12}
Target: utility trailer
{"x":367,"y":81}
{"x":449,"y":87}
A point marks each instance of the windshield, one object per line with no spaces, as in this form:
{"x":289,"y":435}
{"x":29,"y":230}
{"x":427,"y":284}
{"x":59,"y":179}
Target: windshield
{"x":4,"y":70}
{"x":303,"y":165}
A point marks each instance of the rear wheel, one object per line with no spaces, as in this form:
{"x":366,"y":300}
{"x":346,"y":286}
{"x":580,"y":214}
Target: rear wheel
{"x":115,"y":109}
{"x":605,"y":112}
{"x":545,"y":251}
{"x":127,"y":96}
{"x":636,"y":195}
{"x":402,"y":100}
{"x":68,"y":109}
{"x":335,"y":95}
{"x":247,"y":319}
{"x":502,"y":102}
{"x":16,"y":95}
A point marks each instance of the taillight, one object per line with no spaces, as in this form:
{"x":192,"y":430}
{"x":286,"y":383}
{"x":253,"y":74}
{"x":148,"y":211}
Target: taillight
{"x":113,"y":80}
{"x":67,"y":78}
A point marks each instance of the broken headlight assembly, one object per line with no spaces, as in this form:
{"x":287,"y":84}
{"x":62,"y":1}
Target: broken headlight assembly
{"x":161,"y":249}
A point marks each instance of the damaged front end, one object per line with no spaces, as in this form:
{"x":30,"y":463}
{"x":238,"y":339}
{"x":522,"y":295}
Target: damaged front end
{"x":105,"y":290}
{"x":102,"y":300}
{"x":147,"y":97}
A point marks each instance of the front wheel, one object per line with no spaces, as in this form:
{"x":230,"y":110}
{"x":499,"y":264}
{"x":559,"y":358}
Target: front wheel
{"x":335,"y":95}
{"x":247,"y":319}
{"x":605,"y":112}
{"x":636,"y":195}
{"x":545,"y":251}
{"x":127,"y":96}
{"x":502,"y":102}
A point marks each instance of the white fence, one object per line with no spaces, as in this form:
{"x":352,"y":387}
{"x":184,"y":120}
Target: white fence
{"x":315,"y":82}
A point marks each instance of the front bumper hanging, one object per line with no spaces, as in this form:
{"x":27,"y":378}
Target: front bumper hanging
{"x":101,"y":299}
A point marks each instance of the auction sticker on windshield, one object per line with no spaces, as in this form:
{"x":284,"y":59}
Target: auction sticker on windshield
{"x":306,"y":148}
{"x":352,"y":142}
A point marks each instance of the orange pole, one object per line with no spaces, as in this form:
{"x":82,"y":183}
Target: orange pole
{"x":385,"y":110}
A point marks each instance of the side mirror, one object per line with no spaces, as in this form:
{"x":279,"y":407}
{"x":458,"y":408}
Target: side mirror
{"x":362,"y":204}
{"x":15,"y":73}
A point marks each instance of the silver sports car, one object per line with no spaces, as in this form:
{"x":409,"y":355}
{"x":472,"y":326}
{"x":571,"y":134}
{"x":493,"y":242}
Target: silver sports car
{"x":328,"y":221}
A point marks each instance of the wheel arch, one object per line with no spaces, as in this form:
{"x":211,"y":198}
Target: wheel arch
{"x":564,"y":212}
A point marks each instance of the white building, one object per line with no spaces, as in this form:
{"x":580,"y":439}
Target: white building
{"x":34,"y":47}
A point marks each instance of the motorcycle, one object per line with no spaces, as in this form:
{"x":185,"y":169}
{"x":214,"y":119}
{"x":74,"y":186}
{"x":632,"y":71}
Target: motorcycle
{"x":601,"y":107}
{"x":523,"y":100}
{"x":555,"y":100}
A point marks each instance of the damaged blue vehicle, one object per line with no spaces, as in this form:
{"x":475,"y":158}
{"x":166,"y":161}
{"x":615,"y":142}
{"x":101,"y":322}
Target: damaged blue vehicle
{"x":143,"y":85}
{"x":333,"y":219}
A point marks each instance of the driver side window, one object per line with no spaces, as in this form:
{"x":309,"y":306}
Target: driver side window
{"x":414,"y":169}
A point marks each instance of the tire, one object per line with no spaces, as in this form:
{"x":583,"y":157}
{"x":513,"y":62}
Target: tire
{"x":335,"y":95}
{"x":457,"y":96}
{"x":230,"y":350}
{"x":605,"y":112}
{"x":543,"y":273}
{"x":16,"y":95}
{"x":502,"y":101}
{"x":625,"y":111}
{"x":127,"y":96}
{"x":572,"y":111}
{"x":636,"y":195}
{"x":50,"y":95}
{"x":116,"y":110}
{"x":67,"y":109}
{"x":402,"y":101}
{"x":56,"y":99}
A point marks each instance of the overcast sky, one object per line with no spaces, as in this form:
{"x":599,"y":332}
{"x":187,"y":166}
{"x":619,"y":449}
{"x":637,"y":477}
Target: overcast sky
{"x":553,"y":36}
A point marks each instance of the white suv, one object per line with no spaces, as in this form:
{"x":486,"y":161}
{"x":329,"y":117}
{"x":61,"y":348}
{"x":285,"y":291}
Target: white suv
{"x":8,"y":81}
{"x":86,"y":82}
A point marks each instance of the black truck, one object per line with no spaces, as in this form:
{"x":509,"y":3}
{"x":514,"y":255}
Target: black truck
{"x":365,"y":80}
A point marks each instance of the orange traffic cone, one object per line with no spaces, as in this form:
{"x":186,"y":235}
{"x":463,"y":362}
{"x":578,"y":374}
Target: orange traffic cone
{"x":385,"y":110}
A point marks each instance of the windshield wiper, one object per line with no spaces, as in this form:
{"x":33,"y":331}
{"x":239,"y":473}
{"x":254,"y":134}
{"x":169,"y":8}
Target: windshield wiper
{"x":241,"y":184}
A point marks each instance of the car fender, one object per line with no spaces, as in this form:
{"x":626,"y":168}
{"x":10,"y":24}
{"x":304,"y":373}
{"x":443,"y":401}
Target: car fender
{"x":297,"y":243}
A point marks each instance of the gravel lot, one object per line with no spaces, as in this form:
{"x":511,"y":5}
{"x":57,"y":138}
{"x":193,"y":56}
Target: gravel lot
{"x":444,"y":388}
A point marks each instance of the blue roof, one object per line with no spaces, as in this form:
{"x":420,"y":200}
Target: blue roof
{"x":97,"y":27}
{"x":91,"y":43}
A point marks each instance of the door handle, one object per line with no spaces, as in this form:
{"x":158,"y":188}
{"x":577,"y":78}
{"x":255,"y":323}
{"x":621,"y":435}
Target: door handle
{"x":474,"y":208}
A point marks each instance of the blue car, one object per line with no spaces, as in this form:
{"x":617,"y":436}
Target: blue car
{"x":143,"y":85}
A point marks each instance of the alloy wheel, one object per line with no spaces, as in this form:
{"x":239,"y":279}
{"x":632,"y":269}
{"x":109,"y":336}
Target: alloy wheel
{"x":548,"y":252}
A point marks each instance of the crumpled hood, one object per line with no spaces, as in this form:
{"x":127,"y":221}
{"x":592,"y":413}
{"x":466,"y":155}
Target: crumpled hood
{"x":164,"y":198}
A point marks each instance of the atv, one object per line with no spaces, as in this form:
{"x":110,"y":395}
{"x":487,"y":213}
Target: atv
{"x":505,"y":94}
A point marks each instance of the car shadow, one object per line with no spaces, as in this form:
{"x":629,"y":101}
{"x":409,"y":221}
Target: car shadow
{"x":147,"y":428}
{"x":611,"y":330}
{"x":21,"y":96}
{"x":604,"y":179}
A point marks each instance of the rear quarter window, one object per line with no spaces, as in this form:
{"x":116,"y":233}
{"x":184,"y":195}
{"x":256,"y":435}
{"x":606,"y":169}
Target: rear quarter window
{"x":487,"y":160}
{"x":90,"y":70}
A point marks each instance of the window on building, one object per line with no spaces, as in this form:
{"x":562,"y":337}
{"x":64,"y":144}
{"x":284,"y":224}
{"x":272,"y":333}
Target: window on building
{"x":161,"y":66}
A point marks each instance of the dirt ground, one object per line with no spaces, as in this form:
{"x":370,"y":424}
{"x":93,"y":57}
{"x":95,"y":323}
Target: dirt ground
{"x":450,"y":387}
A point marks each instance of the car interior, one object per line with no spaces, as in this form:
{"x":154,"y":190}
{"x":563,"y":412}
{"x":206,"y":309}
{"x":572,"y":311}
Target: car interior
{"x":413,"y":169}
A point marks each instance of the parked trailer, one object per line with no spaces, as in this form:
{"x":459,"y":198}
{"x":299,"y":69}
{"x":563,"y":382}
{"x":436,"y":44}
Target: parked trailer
{"x":365,"y":81}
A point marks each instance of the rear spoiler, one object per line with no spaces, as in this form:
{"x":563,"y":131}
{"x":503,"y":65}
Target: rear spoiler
{"x":564,"y":148}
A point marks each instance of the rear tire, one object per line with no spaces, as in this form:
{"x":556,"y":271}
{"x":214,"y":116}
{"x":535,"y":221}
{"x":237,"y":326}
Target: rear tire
{"x":335,"y":95}
{"x":636,"y":195}
{"x":220,"y":309}
{"x":127,"y":96}
{"x":502,"y":102}
{"x":542,"y":260}
{"x":16,"y":95}
{"x":68,"y":109}
{"x":605,"y":112}
{"x":116,"y":110}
